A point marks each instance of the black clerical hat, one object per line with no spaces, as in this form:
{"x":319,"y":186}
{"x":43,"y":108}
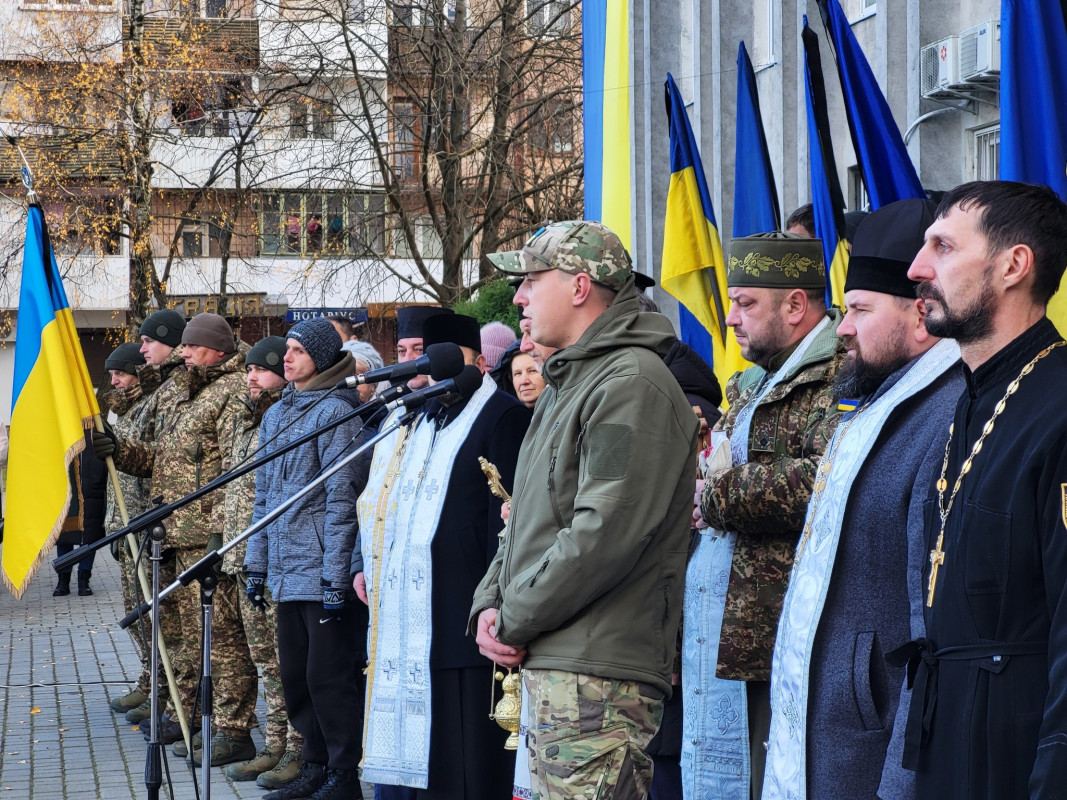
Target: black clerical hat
{"x":455,"y":328}
{"x":886,"y":243}
{"x":410,"y":320}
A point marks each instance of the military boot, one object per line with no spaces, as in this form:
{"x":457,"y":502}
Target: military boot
{"x":128,"y":701}
{"x":135,"y":716}
{"x":341,"y":784}
{"x":62,"y":586}
{"x":265,"y":760}
{"x":227,"y":749}
{"x":182,"y":751}
{"x":84,"y":590}
{"x":286,"y":771}
{"x":312,"y":777}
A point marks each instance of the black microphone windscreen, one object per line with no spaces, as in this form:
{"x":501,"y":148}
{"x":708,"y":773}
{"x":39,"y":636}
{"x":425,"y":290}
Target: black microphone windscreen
{"x":468,"y":381}
{"x":446,"y":360}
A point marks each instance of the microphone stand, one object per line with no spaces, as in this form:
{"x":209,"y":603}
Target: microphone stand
{"x":204,"y":572}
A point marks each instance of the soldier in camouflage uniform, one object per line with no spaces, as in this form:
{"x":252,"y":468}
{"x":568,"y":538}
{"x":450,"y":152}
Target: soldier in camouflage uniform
{"x":586,"y":590}
{"x":161,"y":351}
{"x":253,"y":631}
{"x":193,"y":417}
{"x":127,"y":401}
{"x":781,"y":417}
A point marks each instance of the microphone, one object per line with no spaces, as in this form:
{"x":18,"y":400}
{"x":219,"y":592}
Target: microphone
{"x":465,"y":384}
{"x":440,"y":361}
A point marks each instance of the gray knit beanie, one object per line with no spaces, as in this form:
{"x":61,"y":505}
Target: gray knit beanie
{"x":268,"y":353}
{"x":125,"y":358}
{"x":165,"y":325}
{"x":365,"y":352}
{"x":320,"y":339}
{"x":210,"y":330}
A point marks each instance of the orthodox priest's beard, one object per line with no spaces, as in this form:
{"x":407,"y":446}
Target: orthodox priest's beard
{"x":860,"y":377}
{"x":972,"y":323}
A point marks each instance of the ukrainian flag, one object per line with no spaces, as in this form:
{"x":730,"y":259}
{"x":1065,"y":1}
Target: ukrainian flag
{"x":693,"y":269}
{"x":52,"y":402}
{"x":827,"y":200}
{"x":606,"y":113}
{"x":1033,"y":105}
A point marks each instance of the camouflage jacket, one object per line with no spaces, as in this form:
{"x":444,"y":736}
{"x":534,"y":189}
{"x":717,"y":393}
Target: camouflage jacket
{"x":766,"y":499}
{"x":241,"y":492}
{"x":130,"y":419}
{"x":192,"y":425}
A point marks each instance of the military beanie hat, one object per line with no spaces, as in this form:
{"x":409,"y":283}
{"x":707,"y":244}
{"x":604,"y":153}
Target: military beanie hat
{"x":165,"y":325}
{"x":320,"y":339}
{"x":577,"y":246}
{"x":886,"y":243}
{"x":776,"y":261}
{"x":212,"y":331}
{"x":268,"y":353}
{"x":125,"y":358}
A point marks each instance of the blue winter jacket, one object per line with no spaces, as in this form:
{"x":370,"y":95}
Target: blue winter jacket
{"x":312,"y":542}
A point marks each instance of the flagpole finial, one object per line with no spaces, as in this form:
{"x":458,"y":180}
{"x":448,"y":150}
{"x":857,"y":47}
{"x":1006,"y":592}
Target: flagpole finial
{"x":26,"y":172}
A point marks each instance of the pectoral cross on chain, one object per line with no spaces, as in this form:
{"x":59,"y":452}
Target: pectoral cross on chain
{"x":937,"y":558}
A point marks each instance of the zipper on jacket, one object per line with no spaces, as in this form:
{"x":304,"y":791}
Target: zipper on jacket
{"x":552,"y":491}
{"x":581,"y":435}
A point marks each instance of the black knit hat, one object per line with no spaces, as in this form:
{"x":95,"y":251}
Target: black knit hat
{"x":268,"y":353}
{"x":886,"y":243}
{"x":455,"y":328}
{"x":125,"y":358}
{"x":210,"y":330}
{"x":320,"y":339}
{"x":165,"y":325}
{"x":410,"y":319}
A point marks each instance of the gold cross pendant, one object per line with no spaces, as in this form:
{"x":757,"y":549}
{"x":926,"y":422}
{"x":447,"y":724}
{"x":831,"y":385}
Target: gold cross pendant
{"x":937,"y":558}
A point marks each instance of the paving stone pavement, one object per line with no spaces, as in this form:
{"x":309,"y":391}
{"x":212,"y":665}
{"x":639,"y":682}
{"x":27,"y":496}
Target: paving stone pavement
{"x":62,"y":659}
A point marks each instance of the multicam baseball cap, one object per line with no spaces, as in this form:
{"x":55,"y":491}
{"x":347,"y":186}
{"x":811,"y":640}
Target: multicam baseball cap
{"x":574,"y":246}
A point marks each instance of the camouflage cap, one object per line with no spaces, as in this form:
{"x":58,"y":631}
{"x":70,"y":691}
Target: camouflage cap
{"x":776,"y":260}
{"x":575,"y":246}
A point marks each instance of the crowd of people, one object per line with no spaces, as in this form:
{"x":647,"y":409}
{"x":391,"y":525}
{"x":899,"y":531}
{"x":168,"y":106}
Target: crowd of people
{"x":844,"y":578}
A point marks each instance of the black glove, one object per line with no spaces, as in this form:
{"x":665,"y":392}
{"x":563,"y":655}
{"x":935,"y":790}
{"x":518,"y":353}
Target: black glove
{"x":214,"y":542}
{"x":333,"y":602}
{"x":256,"y":589}
{"x":117,"y":548}
{"x":105,"y":443}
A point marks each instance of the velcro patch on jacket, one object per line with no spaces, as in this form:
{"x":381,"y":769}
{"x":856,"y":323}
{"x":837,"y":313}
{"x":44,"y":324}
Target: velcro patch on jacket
{"x":609,"y":451}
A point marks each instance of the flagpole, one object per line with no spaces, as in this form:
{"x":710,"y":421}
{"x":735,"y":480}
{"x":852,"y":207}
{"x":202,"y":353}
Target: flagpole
{"x":146,"y":590}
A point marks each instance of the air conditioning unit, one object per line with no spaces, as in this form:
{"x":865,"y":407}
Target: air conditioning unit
{"x":939,"y":65}
{"x":980,"y":53}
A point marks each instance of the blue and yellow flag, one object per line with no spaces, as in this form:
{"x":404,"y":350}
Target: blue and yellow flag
{"x":827,"y":200}
{"x":1033,"y":104}
{"x":755,"y":194}
{"x":887,"y":170}
{"x":693,"y":269}
{"x":606,"y":113}
{"x":52,"y":402}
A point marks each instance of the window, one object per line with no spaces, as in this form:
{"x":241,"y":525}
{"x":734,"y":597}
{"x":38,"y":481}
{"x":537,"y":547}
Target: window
{"x":310,"y":119}
{"x":552,"y":128}
{"x":85,"y":227}
{"x":200,"y":239}
{"x":312,"y":223}
{"x":405,"y":147}
{"x":987,"y":153}
{"x":548,"y":17}
{"x":762,"y":50}
{"x":71,"y":5}
{"x":403,"y":14}
{"x":857,"y":190}
{"x":215,"y":111}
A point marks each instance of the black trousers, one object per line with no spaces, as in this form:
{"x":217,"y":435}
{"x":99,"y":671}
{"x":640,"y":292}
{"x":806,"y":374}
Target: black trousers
{"x":322,"y":679}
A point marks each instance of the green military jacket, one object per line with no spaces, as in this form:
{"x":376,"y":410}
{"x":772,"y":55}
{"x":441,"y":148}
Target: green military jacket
{"x":241,"y":492}
{"x":129,"y":406}
{"x":193,"y":417}
{"x":765,"y":501}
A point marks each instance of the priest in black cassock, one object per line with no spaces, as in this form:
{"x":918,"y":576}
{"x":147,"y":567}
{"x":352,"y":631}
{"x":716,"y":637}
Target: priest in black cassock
{"x":427,"y":540}
{"x":988,"y":716}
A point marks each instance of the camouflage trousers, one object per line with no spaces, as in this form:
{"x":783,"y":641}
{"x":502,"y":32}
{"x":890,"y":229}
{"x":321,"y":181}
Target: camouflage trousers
{"x":254,"y":634}
{"x":588,"y":736}
{"x":140,"y":631}
{"x":179,"y":617}
{"x":233,"y":674}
